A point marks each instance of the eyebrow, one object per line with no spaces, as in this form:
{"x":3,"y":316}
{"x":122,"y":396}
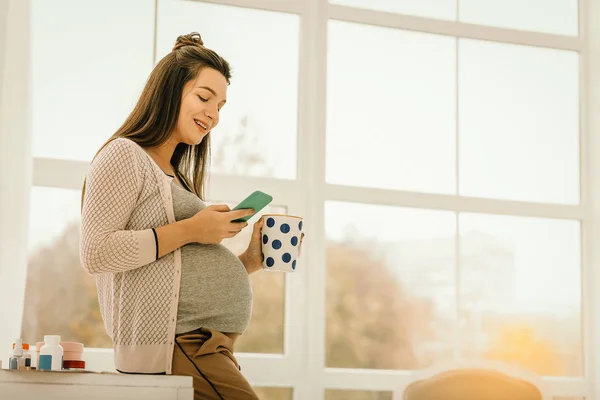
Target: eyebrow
{"x":210,"y":90}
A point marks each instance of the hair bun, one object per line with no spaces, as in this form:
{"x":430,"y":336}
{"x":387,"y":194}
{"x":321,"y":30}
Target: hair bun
{"x":191,"y":39}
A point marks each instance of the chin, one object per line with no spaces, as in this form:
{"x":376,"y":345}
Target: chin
{"x":194,"y":140}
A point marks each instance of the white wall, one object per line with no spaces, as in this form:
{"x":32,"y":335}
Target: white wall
{"x":591,"y":150}
{"x":3,"y":33}
{"x":15,"y":164}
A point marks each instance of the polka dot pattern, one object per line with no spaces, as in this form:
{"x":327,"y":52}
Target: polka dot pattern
{"x":281,"y":242}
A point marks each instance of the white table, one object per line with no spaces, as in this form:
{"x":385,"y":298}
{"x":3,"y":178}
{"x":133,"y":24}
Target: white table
{"x":25,"y":385}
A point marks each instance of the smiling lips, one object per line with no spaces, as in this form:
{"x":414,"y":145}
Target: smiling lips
{"x":202,"y":125}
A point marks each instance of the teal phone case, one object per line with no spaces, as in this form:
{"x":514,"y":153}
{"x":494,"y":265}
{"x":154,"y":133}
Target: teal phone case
{"x":257,"y":200}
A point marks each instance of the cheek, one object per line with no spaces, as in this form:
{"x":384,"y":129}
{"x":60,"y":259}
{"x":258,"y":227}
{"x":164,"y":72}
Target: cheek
{"x":188,"y":108}
{"x":180,"y":122}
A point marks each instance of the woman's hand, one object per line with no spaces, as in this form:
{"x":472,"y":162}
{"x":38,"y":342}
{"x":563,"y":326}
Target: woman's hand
{"x":252,"y":257}
{"x":213,"y":224}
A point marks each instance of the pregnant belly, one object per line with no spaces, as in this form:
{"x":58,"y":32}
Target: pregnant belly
{"x":215,"y":284}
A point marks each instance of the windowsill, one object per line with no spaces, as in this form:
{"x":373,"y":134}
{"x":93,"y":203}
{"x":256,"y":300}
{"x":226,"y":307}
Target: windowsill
{"x":92,"y":385}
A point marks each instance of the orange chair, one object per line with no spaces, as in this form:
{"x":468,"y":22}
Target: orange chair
{"x":472,"y":384}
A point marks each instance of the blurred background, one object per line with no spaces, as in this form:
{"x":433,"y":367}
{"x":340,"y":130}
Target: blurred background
{"x":434,"y":148}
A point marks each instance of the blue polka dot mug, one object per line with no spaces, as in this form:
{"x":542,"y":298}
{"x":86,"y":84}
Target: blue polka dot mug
{"x":281,"y":242}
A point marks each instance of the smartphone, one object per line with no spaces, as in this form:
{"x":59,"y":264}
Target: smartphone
{"x":257,"y":200}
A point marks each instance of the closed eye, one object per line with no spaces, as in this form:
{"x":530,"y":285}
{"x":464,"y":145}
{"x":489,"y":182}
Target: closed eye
{"x":202,"y":98}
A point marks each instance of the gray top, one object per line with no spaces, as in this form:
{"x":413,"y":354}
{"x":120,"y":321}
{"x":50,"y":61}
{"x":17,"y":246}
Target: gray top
{"x":215,"y":288}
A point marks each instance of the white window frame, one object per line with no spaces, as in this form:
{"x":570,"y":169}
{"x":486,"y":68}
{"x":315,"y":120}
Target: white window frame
{"x":302,"y":367}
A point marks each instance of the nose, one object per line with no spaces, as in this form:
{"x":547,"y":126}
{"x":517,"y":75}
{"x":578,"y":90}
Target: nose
{"x":212,"y":113}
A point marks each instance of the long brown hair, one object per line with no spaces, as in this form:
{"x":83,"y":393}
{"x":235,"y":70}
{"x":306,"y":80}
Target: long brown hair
{"x":155,"y":115}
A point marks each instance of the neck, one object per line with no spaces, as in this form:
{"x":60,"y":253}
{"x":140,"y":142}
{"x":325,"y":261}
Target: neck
{"x":162,"y":154}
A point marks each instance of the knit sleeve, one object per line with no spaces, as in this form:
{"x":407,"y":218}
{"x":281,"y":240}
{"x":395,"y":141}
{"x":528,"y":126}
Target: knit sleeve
{"x":113,"y":185}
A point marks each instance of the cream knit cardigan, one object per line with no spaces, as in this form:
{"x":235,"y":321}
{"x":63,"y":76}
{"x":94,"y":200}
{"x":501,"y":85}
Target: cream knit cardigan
{"x":127,"y":195}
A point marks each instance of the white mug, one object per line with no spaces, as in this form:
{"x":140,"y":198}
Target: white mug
{"x":281,"y":237}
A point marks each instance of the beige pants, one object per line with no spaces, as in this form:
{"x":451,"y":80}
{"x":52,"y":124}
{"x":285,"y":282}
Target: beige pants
{"x":207,"y":356}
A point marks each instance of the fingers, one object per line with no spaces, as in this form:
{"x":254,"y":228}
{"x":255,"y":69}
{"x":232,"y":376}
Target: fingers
{"x":219,"y":207}
{"x":234,"y":232}
{"x":236,"y":227}
{"x":241,"y":213}
{"x":258,"y":225}
{"x":300,"y":246}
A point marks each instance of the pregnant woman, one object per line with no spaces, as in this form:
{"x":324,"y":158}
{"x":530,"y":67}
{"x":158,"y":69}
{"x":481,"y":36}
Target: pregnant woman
{"x":173,"y":299}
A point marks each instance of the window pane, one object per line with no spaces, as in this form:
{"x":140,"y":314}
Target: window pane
{"x":519,"y":122}
{"x":265,"y":332}
{"x":274,"y":393}
{"x":548,"y":16}
{"x":440,"y":9}
{"x":257,"y":132}
{"x":60,"y":297}
{"x":383,"y":88}
{"x":520,"y":292}
{"x":331,"y":394}
{"x":391,"y":290}
{"x":85,"y":76}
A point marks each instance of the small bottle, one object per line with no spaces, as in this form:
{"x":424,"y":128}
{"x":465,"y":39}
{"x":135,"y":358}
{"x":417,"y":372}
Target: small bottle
{"x":17,"y":360}
{"x":51,"y":354}
{"x":26,"y":355}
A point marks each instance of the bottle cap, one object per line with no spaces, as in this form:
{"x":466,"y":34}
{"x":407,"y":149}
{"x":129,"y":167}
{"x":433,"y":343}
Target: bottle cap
{"x":18,"y":347}
{"x":73,"y":364}
{"x":25,"y":346}
{"x":52,"y":339}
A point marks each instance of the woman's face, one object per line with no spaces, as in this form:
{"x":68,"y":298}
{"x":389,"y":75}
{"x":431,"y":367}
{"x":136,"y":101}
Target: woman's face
{"x":201,"y":101}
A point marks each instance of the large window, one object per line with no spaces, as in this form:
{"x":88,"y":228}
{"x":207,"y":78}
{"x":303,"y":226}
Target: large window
{"x":433,"y":148}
